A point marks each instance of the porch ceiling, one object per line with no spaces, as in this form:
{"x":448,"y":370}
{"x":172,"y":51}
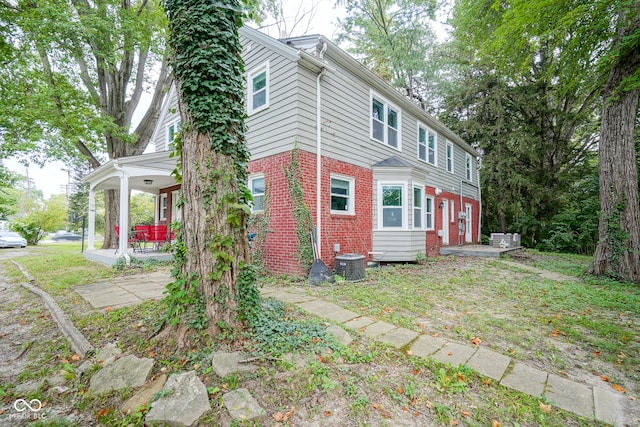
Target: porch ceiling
{"x":156,"y":167}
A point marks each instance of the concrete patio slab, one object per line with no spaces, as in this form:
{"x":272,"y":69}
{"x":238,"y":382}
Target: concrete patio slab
{"x":608,"y":407}
{"x":426,"y":345}
{"x":455,"y":354}
{"x":378,"y":328}
{"x":570,"y":395}
{"x":398,"y":337}
{"x":489,"y":363}
{"x":116,"y":297}
{"x":327,"y":310}
{"x":526,"y":379}
{"x":291,"y":298}
{"x":359,"y":322}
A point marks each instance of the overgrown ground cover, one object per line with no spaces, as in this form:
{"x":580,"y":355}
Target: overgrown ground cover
{"x":362,"y":384}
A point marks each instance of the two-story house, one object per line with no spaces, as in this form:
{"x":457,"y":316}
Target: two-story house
{"x":380,"y":177}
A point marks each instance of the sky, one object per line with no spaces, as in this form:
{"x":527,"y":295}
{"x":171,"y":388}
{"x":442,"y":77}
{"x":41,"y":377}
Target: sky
{"x":52,"y":178}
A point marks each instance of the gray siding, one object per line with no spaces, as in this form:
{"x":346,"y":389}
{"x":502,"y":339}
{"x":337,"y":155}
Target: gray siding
{"x":397,"y":246}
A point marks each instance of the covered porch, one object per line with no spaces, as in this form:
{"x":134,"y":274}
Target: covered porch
{"x":147,"y":173}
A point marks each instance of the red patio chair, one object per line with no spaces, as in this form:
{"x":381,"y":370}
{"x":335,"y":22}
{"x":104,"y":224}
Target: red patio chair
{"x":132,"y":239}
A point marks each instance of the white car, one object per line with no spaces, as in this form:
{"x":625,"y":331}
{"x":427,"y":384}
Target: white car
{"x":10,"y":239}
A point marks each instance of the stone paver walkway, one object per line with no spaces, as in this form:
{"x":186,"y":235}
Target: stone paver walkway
{"x":587,"y":401}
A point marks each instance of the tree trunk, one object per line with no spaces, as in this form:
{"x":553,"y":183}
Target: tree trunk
{"x":212,"y":249}
{"x":111,"y":218}
{"x":618,"y":250}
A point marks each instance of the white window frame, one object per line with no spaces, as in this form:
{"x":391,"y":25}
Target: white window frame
{"x":469,"y":167}
{"x":450,"y":156}
{"x":427,"y":130}
{"x":252,"y":178}
{"x":381,"y":185}
{"x":263,"y":68}
{"x":176,"y":211}
{"x":163,"y":206}
{"x":350,"y":196}
{"x":429,"y":216}
{"x":453,"y":217}
{"x":386,"y":106}
{"x":421,"y":209}
{"x":175,"y":124}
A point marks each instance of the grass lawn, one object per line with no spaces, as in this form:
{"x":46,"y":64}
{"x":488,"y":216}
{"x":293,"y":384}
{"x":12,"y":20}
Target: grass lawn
{"x":574,"y":328}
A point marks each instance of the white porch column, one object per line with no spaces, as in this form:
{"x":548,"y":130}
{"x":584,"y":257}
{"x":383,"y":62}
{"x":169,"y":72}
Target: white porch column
{"x":124,"y":217}
{"x":92,"y":221}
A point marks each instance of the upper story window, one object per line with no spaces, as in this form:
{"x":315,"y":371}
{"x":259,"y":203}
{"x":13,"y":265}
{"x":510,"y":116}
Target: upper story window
{"x":391,"y":206}
{"x":427,"y":150}
{"x":172,"y":130}
{"x":469,"y":165}
{"x":258,"y":87}
{"x":418,"y":206}
{"x":449,"y":156}
{"x":385,"y":122}
{"x":342,"y":194}
{"x":256,"y":185}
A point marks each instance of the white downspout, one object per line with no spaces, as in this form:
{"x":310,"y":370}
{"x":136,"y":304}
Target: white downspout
{"x":479,"y":208}
{"x":124,"y":214}
{"x":319,"y":162}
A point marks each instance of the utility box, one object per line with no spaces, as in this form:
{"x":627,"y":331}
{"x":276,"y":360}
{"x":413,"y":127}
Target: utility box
{"x":350,"y":266}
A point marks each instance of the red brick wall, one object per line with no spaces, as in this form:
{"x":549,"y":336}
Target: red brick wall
{"x":352,"y":232}
{"x":434,"y":242}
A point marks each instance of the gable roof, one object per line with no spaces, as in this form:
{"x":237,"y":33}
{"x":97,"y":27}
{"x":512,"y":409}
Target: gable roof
{"x":393,"y":162}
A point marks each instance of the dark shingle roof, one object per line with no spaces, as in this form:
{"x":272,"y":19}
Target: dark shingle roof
{"x":394,"y":162}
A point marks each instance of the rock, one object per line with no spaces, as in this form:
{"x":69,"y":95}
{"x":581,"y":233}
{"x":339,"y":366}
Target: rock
{"x":28,"y":387}
{"x":145,"y":395}
{"x":241,"y":405}
{"x":107,"y":354}
{"x":59,"y":379}
{"x":340,"y":335}
{"x":128,"y":371}
{"x":294,"y":359}
{"x":227,"y":363}
{"x":188,"y":401}
{"x":60,"y":390}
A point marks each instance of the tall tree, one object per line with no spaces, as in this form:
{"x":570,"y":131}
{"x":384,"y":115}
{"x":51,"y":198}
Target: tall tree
{"x":77,"y":73}
{"x":8,"y":193}
{"x":393,"y":39}
{"x":213,"y":280}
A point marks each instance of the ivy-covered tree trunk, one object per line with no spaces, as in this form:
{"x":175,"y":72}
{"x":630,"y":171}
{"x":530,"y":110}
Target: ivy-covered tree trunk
{"x":213,"y":280}
{"x":618,"y":250}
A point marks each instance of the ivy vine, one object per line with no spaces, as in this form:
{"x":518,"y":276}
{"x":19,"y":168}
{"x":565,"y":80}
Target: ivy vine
{"x":301,"y":213}
{"x":259,"y":224}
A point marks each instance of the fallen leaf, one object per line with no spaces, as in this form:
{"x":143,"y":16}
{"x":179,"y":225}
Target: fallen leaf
{"x":409,"y":353}
{"x":476,"y":340}
{"x":461,"y":377}
{"x":361,"y":329}
{"x":196,"y":366}
{"x":496,"y":423}
{"x":604,"y":378}
{"x":435,"y":335}
{"x":278,"y":416}
{"x":618,"y":388}
{"x":632,"y":398}
{"x":404,"y":408}
{"x":2,"y":411}
{"x":596,"y":353}
{"x":450,"y":353}
{"x":24,"y":322}
{"x":65,"y":361}
{"x":415,"y":372}
{"x":416,"y":414}
{"x":152,"y":354}
{"x":545,"y":408}
{"x":103,"y":412}
{"x":386,"y":414}
{"x":421,"y":325}
{"x":454,"y":422}
{"x":400,"y":390}
{"x":314,"y":340}
{"x":75,"y":357}
{"x":430,"y":404}
{"x":108,"y":309}
{"x":465,"y":413}
{"x":487,"y":381}
{"x":327,"y":413}
{"x":621,"y":314}
{"x":376,"y":406}
{"x":387,"y":310}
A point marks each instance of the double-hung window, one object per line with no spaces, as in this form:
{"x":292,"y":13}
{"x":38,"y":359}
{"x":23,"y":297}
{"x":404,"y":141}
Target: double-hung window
{"x":256,"y":185}
{"x":449,"y":156}
{"x":427,"y":151}
{"x":342,"y":194}
{"x":258,"y":89}
{"x":392,"y":206}
{"x":428,"y":210}
{"x":163,"y":206}
{"x":469,"y":165}
{"x":418,"y":207}
{"x":385,"y":122}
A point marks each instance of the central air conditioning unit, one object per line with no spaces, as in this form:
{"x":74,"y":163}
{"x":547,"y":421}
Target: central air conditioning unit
{"x":350,"y":266}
